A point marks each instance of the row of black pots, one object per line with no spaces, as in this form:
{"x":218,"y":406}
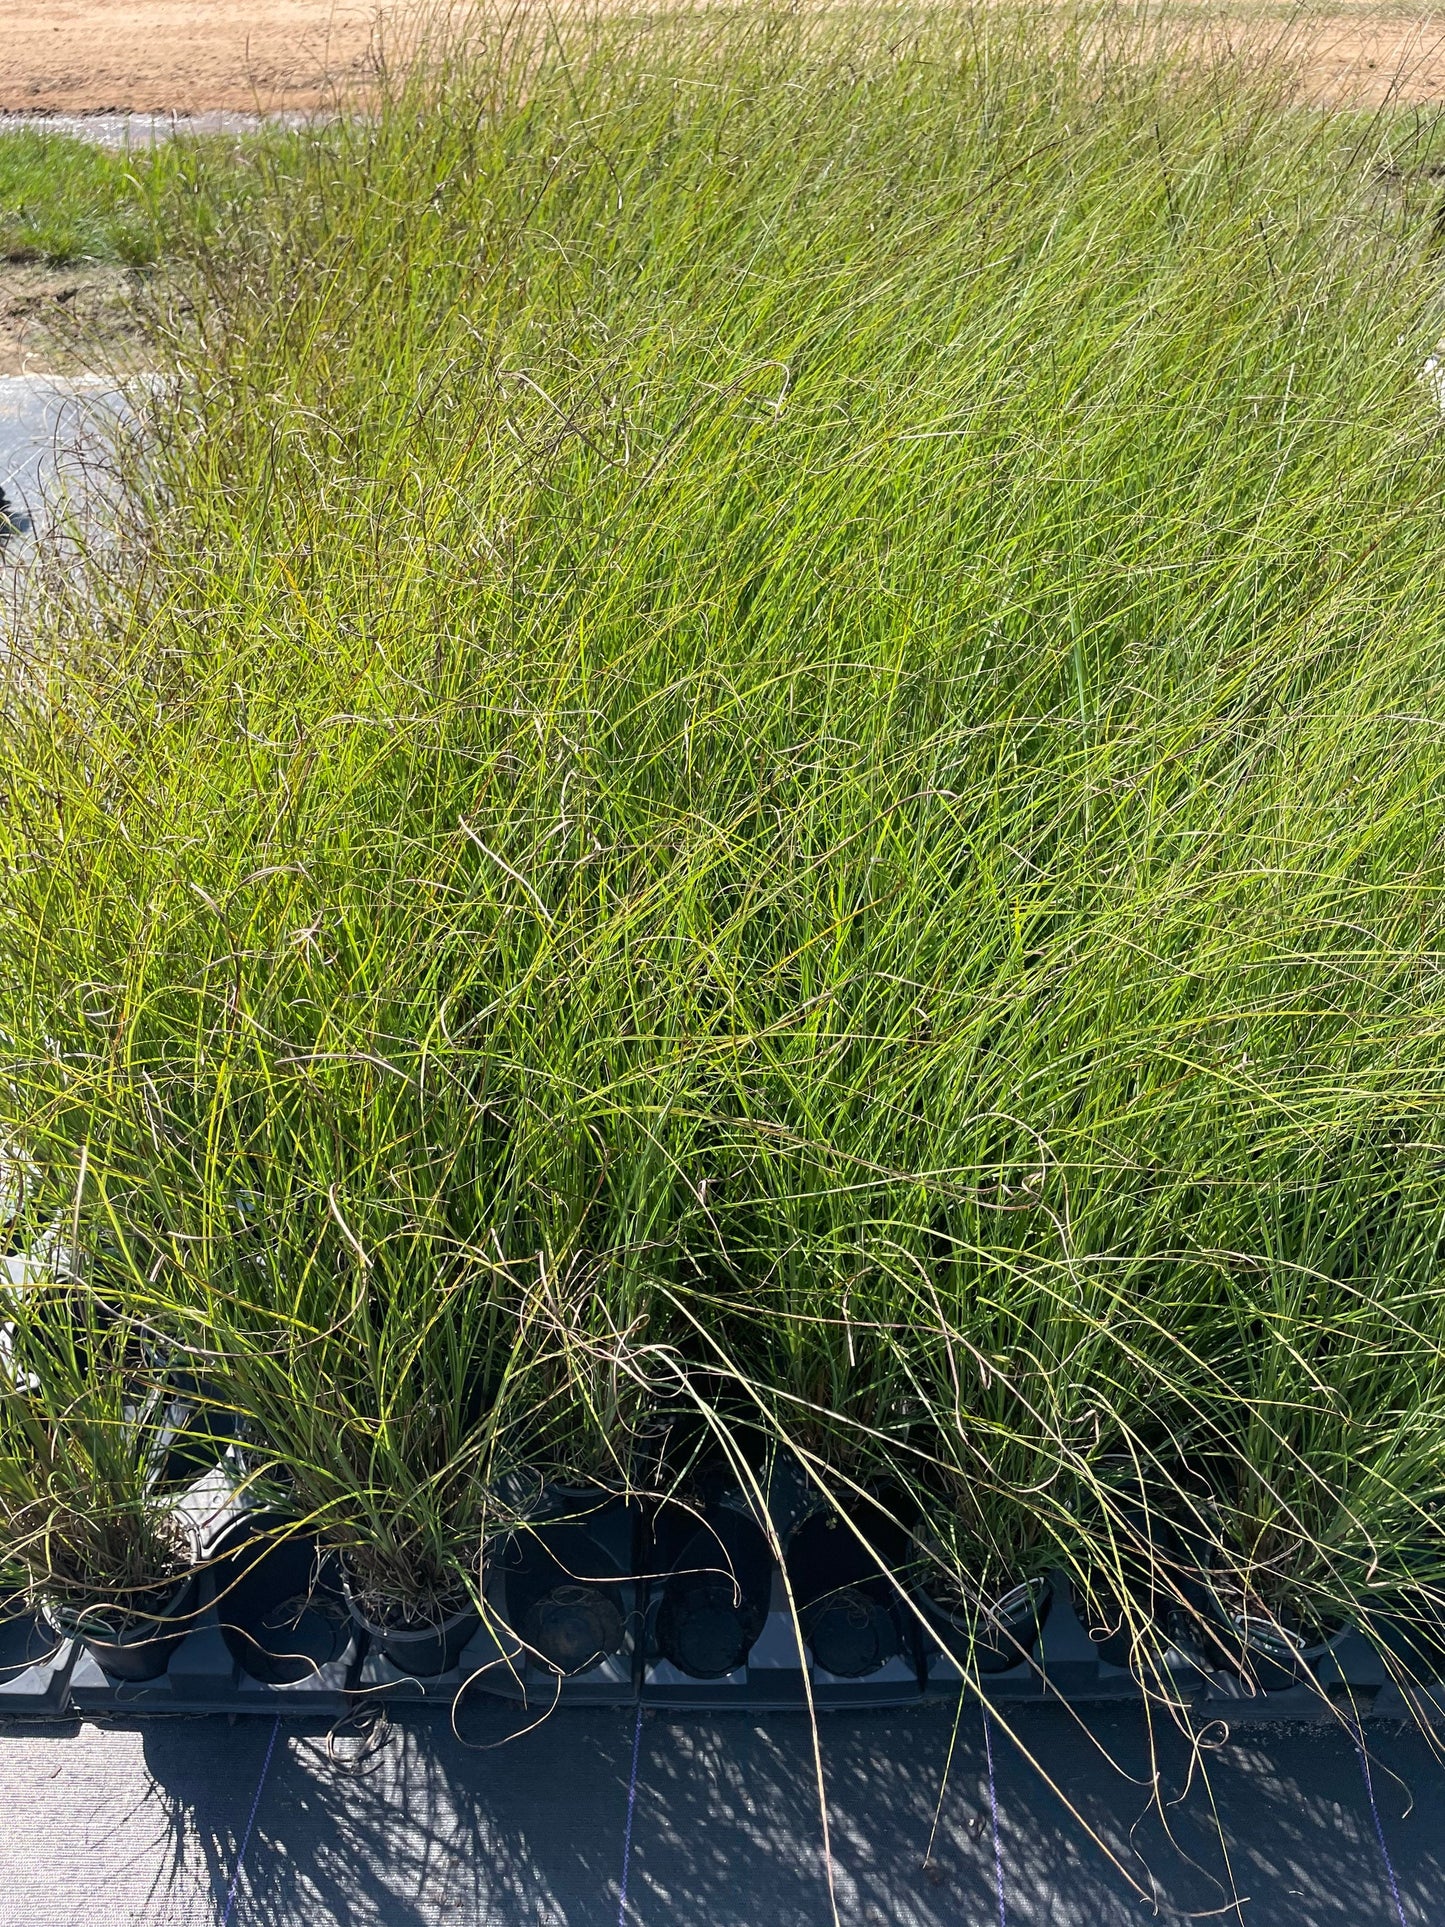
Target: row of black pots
{"x":562,"y":1586}
{"x":286,"y":1609}
{"x":860,"y":1590}
{"x":283,"y":1607}
{"x":852,"y":1577}
{"x":1189,"y":1605}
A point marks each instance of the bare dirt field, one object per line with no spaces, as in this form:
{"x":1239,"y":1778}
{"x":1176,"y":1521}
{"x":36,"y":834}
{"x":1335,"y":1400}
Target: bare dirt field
{"x":183,"y":56}
{"x":196,"y":56}
{"x":1369,"y":55}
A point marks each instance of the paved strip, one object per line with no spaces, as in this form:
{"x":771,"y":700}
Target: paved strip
{"x":480,"y":1828}
{"x":627,"y":1831}
{"x":1369,"y":1780}
{"x":250,"y":1823}
{"x":123,"y":130}
{"x":993,"y":1821}
{"x":39,"y":416}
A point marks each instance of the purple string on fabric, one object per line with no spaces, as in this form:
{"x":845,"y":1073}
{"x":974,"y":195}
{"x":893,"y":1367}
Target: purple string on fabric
{"x":1380,"y":1829}
{"x":631,"y":1809}
{"x":993,"y":1814}
{"x":250,"y":1823}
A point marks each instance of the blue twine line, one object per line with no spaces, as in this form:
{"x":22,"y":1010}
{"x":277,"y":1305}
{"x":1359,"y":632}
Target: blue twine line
{"x":993,"y":1814}
{"x":627,"y":1831}
{"x":1380,"y":1829}
{"x":250,"y":1823}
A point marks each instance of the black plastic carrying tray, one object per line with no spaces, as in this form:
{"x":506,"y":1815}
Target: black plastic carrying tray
{"x":271,"y":1632}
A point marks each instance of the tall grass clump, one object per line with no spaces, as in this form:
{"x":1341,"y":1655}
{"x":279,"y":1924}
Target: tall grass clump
{"x":771,"y":750}
{"x":89,"y":1464}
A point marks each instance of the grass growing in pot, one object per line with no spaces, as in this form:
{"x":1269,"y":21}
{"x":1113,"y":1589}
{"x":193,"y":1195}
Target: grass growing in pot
{"x":398,"y":1387}
{"x":760,"y":657}
{"x":1323,"y":1458}
{"x":1046,"y":1409}
{"x":366,"y":1437}
{"x":90,"y":1528}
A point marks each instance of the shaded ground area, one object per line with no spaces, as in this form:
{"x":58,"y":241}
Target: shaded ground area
{"x":420,"y":1825}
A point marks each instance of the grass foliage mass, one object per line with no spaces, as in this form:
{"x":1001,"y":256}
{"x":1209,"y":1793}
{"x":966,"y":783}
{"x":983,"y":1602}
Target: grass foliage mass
{"x":772,"y":762}
{"x":64,"y":199}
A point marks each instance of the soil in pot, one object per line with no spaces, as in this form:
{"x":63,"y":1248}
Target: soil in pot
{"x":132,"y":1638}
{"x":564,"y":1595}
{"x":841,"y":1568}
{"x":987,"y":1635}
{"x":715,"y":1598}
{"x":280,"y":1599}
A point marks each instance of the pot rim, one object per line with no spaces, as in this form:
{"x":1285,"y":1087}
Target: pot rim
{"x":1001,"y":1611}
{"x":1269,"y":1638}
{"x":425,"y":1629}
{"x":536,"y":1501}
{"x":133,"y":1629}
{"x":1265,"y":1634}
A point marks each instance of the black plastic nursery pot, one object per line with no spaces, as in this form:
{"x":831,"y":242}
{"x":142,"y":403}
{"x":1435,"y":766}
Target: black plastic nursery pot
{"x":1137,"y":1618}
{"x":1267,"y":1652}
{"x":134,"y":1641}
{"x":35,"y":1664}
{"x":987,"y":1635}
{"x":714,"y":1597}
{"x":563,"y":1582}
{"x":422,"y":1647}
{"x":1223,"y":1626}
{"x":1112,"y":1626}
{"x":425,"y":1650}
{"x":279,"y":1601}
{"x":841,"y":1566}
{"x":1410,"y":1632}
{"x":25,"y":1640}
{"x":194,"y":1437}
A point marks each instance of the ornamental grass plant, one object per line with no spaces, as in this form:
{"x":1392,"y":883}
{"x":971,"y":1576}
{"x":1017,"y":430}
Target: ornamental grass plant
{"x":91,"y":1531}
{"x":770,"y":745}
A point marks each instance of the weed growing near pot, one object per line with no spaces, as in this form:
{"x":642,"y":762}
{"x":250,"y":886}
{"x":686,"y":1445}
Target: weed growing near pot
{"x":773,"y":747}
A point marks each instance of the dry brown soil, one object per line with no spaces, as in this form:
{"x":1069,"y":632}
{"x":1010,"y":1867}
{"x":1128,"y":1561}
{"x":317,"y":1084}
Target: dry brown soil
{"x":1365,"y":54}
{"x":186,"y":56}
{"x":190,"y":56}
